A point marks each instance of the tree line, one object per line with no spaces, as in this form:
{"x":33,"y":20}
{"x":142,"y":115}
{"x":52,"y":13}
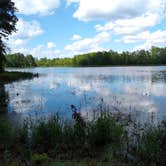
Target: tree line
{"x":154,"y":56}
{"x":20,"y":60}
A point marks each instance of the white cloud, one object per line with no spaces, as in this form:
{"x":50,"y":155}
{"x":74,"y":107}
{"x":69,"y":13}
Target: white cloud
{"x":116,"y":9}
{"x":125,"y":19}
{"x":136,"y":38}
{"x":51,"y":45}
{"x":88,"y":44}
{"x":76,"y":37}
{"x":130,"y":26}
{"x":69,"y":2}
{"x":40,"y":51}
{"x":152,"y":39}
{"x":107,"y":27}
{"x":134,"y":25}
{"x":26,"y":31}
{"x":42,"y":7}
{"x":148,"y":38}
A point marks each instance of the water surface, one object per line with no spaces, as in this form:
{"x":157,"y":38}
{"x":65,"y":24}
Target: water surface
{"x":141,"y":90}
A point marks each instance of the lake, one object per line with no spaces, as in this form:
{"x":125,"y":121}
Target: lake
{"x":137,"y":90}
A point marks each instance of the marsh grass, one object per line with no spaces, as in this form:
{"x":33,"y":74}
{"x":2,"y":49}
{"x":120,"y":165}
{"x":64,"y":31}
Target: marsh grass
{"x":105,"y":140}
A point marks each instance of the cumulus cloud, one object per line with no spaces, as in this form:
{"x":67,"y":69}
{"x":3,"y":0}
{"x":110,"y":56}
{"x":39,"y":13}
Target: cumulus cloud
{"x":107,"y":27}
{"x":76,"y":37}
{"x":88,"y":44}
{"x":148,"y":39}
{"x":42,"y":7}
{"x":40,"y":51}
{"x":51,"y":45}
{"x":26,"y":31}
{"x":124,"y":19}
{"x":152,"y":39}
{"x":69,"y":2}
{"x":115,"y":9}
{"x":131,"y":25}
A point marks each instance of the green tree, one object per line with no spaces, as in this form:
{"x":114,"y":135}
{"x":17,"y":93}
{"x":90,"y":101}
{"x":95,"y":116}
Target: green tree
{"x":8,"y":21}
{"x":19,"y":60}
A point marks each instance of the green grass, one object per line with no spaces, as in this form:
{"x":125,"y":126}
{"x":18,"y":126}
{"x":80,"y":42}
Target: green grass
{"x":56,"y":139}
{"x":102,"y":141}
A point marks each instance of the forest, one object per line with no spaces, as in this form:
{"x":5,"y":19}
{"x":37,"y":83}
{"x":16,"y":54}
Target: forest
{"x":154,"y":56}
{"x":20,"y":60}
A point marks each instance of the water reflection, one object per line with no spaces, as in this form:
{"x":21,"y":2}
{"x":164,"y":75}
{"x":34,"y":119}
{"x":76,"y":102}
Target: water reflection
{"x":136,"y":90}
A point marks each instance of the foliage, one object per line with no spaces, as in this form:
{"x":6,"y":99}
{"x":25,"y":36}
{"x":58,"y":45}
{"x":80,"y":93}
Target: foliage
{"x":54,"y":62}
{"x":5,"y":134}
{"x":7,"y":25}
{"x":155,"y":56}
{"x":19,"y":60}
{"x":103,"y":138}
{"x":47,"y":135}
{"x":152,"y":147}
{"x":104,"y":131}
{"x":62,"y":139}
{"x":39,"y":159}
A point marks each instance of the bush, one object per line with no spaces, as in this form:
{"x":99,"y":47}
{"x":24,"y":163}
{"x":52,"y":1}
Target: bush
{"x":47,"y":134}
{"x":5,"y":134}
{"x":152,"y":147}
{"x":80,"y":139}
{"x":39,"y":159}
{"x":105,"y":131}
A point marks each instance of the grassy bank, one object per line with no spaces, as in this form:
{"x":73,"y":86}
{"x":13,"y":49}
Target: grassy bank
{"x":105,"y":140}
{"x":7,"y":77}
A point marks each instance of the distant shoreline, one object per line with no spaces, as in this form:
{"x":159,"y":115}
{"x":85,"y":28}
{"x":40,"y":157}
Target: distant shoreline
{"x":85,"y":66}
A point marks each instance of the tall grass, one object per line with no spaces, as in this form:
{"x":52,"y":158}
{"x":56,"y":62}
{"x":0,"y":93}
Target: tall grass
{"x":104,"y":138}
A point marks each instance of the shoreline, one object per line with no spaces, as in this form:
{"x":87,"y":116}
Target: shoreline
{"x":11,"y":76}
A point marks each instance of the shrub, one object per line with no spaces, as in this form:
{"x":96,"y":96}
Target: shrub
{"x":47,"y":134}
{"x":105,"y":131}
{"x":39,"y":159}
{"x":152,"y":147}
{"x":5,"y":134}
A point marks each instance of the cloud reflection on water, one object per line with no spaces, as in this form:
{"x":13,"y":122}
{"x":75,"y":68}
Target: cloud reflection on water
{"x":125,"y":88}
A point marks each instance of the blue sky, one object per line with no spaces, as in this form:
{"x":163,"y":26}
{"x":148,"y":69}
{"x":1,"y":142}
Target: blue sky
{"x":64,"y":28}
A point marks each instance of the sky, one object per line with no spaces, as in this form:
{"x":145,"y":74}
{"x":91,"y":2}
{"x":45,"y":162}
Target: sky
{"x":64,"y":28}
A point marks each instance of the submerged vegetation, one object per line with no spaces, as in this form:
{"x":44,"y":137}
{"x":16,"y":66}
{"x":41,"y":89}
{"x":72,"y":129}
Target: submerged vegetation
{"x":105,"y":140}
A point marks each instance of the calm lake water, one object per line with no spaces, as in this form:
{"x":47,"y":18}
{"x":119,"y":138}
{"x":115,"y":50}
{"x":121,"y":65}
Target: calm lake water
{"x":138,"y":90}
